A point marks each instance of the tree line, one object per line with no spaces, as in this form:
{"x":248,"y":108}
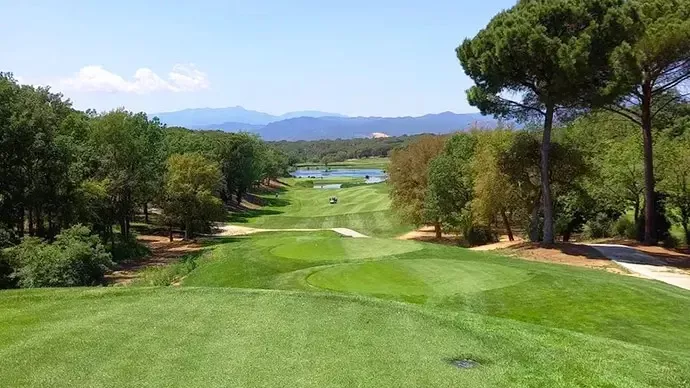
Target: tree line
{"x":72,"y":182}
{"x":549,"y":61}
{"x":339,"y":150}
{"x":483,"y":183}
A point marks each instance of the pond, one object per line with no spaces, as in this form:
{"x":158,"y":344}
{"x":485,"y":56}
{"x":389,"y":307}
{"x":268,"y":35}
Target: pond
{"x":372,"y":175}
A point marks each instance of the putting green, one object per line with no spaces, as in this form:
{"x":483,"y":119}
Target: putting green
{"x":417,"y":279}
{"x":338,"y":249}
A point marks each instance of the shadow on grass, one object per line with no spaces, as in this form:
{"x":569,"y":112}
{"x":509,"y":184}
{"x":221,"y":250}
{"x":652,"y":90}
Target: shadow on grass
{"x":244,"y":216}
{"x":213,"y":241}
{"x":569,"y":249}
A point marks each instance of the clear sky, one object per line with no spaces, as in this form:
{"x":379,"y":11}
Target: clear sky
{"x":355,"y":57}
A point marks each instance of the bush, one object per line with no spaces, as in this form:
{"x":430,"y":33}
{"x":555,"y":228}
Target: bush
{"x":167,"y":274}
{"x":480,"y":235}
{"x":128,"y":249}
{"x":7,"y":279}
{"x":76,"y":258}
{"x":598,"y":227}
{"x":625,"y":227}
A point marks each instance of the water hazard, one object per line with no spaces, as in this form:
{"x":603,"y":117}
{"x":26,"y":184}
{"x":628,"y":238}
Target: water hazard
{"x":370,"y":175}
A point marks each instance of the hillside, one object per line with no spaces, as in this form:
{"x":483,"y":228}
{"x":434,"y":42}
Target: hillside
{"x":312,"y":125}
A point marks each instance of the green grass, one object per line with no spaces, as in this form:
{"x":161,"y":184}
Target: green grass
{"x":588,"y":301}
{"x":365,"y":209}
{"x":320,"y":310}
{"x":205,"y":337}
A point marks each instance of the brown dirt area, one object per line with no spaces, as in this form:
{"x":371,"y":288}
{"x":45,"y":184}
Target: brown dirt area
{"x":678,"y":258}
{"x":162,"y":252}
{"x":427,"y":234}
{"x":562,"y":253}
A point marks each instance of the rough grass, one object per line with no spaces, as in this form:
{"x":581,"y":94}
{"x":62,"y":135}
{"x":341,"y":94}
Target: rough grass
{"x":205,"y":337}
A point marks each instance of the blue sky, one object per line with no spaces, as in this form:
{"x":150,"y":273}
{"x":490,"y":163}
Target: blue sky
{"x":383,"y":58}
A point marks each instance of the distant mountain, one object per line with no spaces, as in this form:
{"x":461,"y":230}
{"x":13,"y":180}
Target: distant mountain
{"x":309,"y":128}
{"x":315,"y":125}
{"x":230,"y":126}
{"x":201,"y":117}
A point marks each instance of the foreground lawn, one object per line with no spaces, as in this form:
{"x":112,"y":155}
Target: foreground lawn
{"x":317,"y":309}
{"x":206,"y":337}
{"x":365,"y":209}
{"x":588,"y":301}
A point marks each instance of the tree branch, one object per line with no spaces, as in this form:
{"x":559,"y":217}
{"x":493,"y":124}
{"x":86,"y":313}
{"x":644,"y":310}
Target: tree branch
{"x":523,"y":106}
{"x":667,"y":103}
{"x":671,"y":85}
{"x":627,"y":113}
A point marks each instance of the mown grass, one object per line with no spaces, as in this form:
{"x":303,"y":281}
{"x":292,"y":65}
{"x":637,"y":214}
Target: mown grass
{"x":320,"y":310}
{"x":588,"y":301}
{"x":365,"y":209}
{"x":206,"y":337}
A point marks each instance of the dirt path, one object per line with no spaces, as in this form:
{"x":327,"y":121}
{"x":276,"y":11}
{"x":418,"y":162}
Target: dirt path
{"x":236,"y":230}
{"x":163,"y":252}
{"x":644,"y":264}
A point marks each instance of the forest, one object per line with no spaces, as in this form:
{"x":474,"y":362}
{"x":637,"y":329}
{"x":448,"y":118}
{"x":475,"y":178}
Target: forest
{"x":604,"y":87}
{"x":72,"y":183}
{"x":339,"y":150}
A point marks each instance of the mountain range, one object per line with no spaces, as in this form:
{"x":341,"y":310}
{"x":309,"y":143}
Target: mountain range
{"x":316,"y":125}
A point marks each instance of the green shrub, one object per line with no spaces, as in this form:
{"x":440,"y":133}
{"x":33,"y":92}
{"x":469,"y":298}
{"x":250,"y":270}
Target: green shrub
{"x":76,"y":258}
{"x":128,"y":249}
{"x":598,"y":227}
{"x":167,"y":274}
{"x":7,"y":279}
{"x":479,"y":235}
{"x":625,"y":227}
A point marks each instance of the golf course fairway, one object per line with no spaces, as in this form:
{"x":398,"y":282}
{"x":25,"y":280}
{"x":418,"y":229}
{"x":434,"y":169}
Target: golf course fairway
{"x":316,"y":309}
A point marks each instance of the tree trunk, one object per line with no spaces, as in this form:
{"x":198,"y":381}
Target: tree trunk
{"x":649,"y":227}
{"x":146,"y":212}
{"x":32,"y":232}
{"x":187,"y":231}
{"x":545,"y":177}
{"x":170,"y":232}
{"x":239,"y":196}
{"x":123,"y":228}
{"x":687,"y":233}
{"x":506,"y":224}
{"x":40,"y":226}
{"x":534,"y":221}
{"x":437,"y":230}
{"x":636,"y":213}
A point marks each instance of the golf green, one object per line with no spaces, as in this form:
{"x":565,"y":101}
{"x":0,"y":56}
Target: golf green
{"x":337,"y":249}
{"x":417,"y":278}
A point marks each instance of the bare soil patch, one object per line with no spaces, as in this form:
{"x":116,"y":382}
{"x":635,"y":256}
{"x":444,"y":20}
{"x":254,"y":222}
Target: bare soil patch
{"x":579,"y":255}
{"x":163,"y":252}
{"x":427,"y":234}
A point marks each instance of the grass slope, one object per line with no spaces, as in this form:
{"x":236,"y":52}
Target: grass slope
{"x":321,"y":310}
{"x":365,"y":209}
{"x":204,"y":337}
{"x":594,"y":302}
